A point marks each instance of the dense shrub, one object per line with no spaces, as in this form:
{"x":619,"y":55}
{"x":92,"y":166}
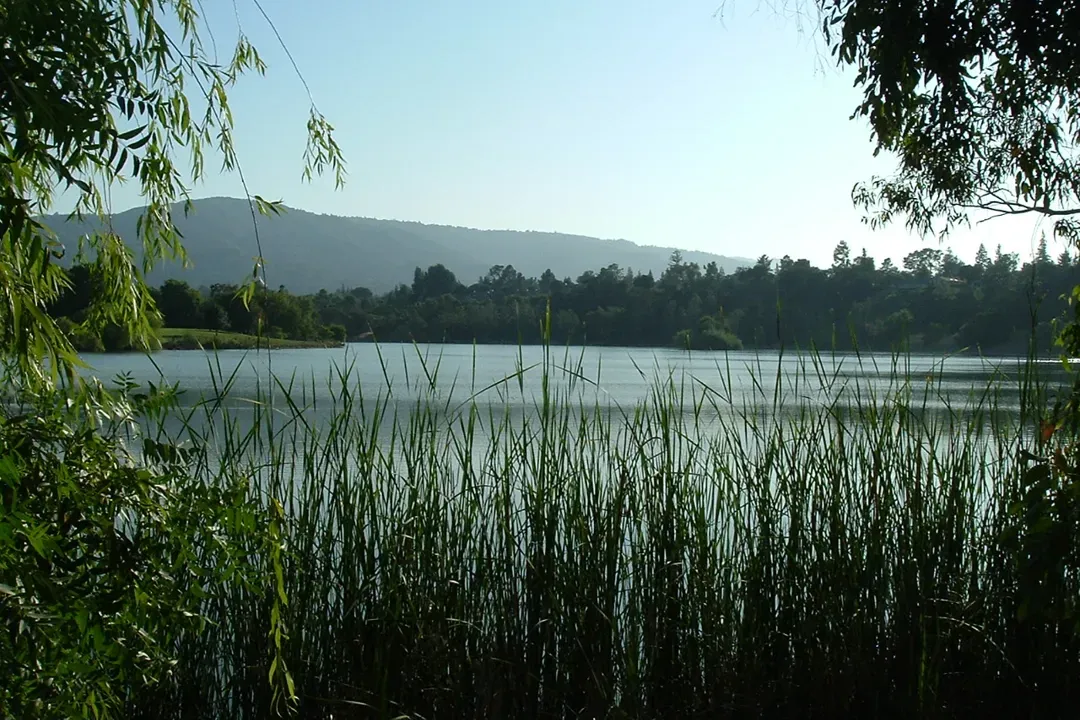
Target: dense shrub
{"x":106,"y":558}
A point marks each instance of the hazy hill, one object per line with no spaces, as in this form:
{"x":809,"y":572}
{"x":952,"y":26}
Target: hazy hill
{"x":307,"y":252}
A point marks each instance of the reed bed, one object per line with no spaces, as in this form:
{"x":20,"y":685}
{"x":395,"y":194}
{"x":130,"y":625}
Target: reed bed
{"x":700,"y":554}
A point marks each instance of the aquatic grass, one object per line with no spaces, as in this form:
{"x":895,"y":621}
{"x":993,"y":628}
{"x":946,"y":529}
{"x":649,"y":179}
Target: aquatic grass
{"x":710,"y":552}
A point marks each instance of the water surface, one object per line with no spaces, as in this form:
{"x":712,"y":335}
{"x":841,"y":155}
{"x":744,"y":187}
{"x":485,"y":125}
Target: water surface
{"x":617,"y":379}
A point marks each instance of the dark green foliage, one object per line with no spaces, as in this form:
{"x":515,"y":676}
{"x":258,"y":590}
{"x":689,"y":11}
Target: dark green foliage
{"x":334,"y":332}
{"x":107,"y":557}
{"x":938,"y":303}
{"x":1044,"y":535}
{"x":106,"y":560}
{"x":273,"y":314}
{"x":179,"y":305}
{"x":714,"y":334}
{"x":977,"y":100}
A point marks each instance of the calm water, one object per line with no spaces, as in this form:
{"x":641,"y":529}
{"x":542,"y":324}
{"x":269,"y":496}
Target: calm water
{"x":720,"y":396}
{"x":615,"y":378}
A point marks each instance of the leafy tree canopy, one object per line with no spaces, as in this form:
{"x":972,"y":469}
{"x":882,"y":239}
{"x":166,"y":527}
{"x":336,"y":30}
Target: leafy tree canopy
{"x":979,"y":101}
{"x":94,"y":93}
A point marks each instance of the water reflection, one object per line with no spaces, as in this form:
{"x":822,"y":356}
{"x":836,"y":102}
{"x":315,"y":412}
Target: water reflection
{"x":489,"y":390}
{"x":617,"y":377}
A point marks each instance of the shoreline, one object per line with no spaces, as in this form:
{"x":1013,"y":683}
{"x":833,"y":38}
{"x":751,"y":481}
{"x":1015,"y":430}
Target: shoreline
{"x":998,"y":354}
{"x":198,"y":339}
{"x":191,"y":339}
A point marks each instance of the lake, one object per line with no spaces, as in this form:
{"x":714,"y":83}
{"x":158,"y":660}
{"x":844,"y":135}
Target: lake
{"x":618,"y":379}
{"x":453,"y":411}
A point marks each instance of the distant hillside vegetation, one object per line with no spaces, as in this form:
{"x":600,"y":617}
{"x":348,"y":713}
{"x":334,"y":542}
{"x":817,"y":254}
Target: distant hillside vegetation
{"x":307,"y":252}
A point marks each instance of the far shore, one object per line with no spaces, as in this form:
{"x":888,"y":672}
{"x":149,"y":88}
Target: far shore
{"x":201,"y":339}
{"x":190,"y":339}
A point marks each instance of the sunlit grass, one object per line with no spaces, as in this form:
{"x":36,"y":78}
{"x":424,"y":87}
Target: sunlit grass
{"x":195,"y":339}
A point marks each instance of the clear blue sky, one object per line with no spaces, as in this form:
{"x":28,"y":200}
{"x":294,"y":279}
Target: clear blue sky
{"x":658,"y":122}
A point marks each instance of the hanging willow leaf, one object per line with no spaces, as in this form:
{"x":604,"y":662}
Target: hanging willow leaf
{"x":82,"y":66}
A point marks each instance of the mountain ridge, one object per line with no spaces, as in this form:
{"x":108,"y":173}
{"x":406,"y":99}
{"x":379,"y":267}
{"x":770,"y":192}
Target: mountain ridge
{"x":350,"y":251}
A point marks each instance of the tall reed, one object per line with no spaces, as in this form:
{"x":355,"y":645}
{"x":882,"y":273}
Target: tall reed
{"x":701,"y":554}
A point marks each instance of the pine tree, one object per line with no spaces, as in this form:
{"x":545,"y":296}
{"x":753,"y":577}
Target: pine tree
{"x":1042,"y":255}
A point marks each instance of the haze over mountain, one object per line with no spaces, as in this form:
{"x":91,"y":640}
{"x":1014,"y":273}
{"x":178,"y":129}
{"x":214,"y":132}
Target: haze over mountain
{"x":307,"y":252}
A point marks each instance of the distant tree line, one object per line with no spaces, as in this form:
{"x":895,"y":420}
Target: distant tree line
{"x":271,"y":313}
{"x":934,"y":301}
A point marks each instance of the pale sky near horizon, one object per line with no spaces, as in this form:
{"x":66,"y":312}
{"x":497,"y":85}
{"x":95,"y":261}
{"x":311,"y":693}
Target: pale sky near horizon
{"x":661,"y":123}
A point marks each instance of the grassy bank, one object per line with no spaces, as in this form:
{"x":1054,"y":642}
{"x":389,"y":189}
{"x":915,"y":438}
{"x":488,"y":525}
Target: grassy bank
{"x":189,"y":339}
{"x":858,"y":558}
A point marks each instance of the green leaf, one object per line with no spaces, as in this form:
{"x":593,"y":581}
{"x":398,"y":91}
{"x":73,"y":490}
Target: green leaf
{"x":135,"y":132}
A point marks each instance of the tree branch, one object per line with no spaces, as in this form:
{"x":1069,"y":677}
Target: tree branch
{"x":999,"y":206}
